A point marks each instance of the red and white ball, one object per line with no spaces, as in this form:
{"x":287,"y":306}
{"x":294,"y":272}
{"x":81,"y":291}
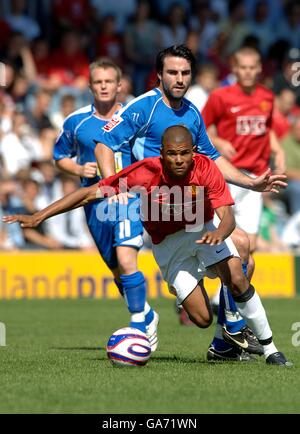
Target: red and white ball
{"x":128,"y":347}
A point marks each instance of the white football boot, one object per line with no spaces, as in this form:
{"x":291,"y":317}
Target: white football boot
{"x":151,"y":332}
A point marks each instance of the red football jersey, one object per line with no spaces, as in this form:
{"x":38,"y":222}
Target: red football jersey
{"x":245,"y":121}
{"x":204,"y":183}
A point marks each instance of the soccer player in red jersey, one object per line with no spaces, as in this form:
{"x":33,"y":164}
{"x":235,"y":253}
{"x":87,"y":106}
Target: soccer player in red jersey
{"x":239,"y":121}
{"x":185,"y":249}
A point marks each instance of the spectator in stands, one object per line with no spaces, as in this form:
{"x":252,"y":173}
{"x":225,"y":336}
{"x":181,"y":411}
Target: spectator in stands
{"x":287,"y":76}
{"x":235,"y":28}
{"x":207,"y":29}
{"x":261,"y":27}
{"x":109,"y":43}
{"x":37,"y":116}
{"x":18,"y":54}
{"x":18,"y":147}
{"x":19,"y":21}
{"x":69,"y":63}
{"x":141,"y":44}
{"x":35,"y":238}
{"x":122,"y":10}
{"x":126,"y":92}
{"x":71,"y":13}
{"x":205,"y":82}
{"x":66,"y":107}
{"x":291,"y":146}
{"x":285,"y":111}
{"x":174,"y":31}
{"x":68,"y":229}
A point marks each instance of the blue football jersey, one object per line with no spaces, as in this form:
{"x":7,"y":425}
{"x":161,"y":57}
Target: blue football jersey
{"x":76,"y":140}
{"x":141,"y":123}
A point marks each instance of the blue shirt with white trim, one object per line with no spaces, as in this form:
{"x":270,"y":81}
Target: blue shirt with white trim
{"x":76,"y":140}
{"x":141,"y":123}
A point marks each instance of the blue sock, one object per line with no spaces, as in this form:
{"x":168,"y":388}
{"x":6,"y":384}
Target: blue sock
{"x":149,"y":317}
{"x":233,"y":321}
{"x":134,"y":288}
{"x":218,"y":342}
{"x":120,"y":287}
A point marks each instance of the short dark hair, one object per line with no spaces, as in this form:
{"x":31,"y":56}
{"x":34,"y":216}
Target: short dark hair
{"x":175,"y":51}
{"x":105,"y":62}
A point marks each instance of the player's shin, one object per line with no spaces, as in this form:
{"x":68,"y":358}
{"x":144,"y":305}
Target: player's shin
{"x":134,"y":288}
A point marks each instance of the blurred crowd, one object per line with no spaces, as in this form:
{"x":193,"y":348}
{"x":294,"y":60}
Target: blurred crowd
{"x":45,"y":50}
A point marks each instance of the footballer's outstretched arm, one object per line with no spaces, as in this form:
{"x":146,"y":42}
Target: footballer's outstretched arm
{"x":265,"y":182}
{"x":78,"y":198}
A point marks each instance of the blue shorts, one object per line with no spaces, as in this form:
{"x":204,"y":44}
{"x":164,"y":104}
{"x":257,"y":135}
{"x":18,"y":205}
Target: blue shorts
{"x":114,"y":225}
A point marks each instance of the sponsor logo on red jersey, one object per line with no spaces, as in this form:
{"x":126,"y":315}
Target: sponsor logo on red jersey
{"x":254,"y":125}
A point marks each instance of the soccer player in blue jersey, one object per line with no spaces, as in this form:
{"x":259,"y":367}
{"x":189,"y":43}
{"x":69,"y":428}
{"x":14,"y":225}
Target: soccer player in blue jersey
{"x":140,"y":124}
{"x":117,"y":241}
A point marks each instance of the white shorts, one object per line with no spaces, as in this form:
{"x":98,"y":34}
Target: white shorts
{"x":183,"y":263}
{"x":247,"y":208}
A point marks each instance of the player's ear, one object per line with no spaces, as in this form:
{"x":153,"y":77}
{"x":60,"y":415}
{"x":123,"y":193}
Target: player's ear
{"x":119,"y":87}
{"x":194,"y":150}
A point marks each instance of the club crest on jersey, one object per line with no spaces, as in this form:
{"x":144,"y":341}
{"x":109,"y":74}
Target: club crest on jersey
{"x":112,"y":123}
{"x":194,"y":190}
{"x":265,"y":106}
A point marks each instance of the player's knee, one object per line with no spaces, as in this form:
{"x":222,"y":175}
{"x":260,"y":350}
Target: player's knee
{"x":238,"y":284}
{"x":242,"y":243}
{"x":126,"y":265}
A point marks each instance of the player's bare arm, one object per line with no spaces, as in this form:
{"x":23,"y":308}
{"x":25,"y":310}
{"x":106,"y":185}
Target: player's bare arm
{"x":78,"y":198}
{"x":105,"y":159}
{"x":226,"y":227}
{"x":264,"y":183}
{"x":278,"y":154}
{"x":223,"y":146}
{"x":87,"y":170}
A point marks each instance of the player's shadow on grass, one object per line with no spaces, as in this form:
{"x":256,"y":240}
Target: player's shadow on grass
{"x":173,"y":358}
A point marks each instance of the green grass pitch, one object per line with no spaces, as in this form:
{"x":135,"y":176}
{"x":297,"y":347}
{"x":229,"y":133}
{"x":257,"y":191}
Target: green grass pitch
{"x":55,"y":362}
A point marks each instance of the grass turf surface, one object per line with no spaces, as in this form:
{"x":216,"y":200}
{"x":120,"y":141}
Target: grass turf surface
{"x":55,"y":362}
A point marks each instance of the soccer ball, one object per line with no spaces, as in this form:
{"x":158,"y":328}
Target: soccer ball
{"x":128,"y":347}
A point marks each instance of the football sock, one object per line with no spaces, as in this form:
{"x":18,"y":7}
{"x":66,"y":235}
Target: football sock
{"x":216,"y":298}
{"x":134,"y":288}
{"x":119,"y":286}
{"x":218,"y":342}
{"x":149,"y":313}
{"x":251,"y":308}
{"x":233,"y":320}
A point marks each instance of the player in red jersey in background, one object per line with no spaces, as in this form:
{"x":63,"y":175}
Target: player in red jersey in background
{"x":239,"y":121}
{"x":186,"y":249}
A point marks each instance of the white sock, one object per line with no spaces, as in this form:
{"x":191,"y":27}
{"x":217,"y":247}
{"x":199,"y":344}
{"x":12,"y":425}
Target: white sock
{"x":255,"y":316}
{"x":269,"y":349}
{"x":216,"y":298}
{"x":218,"y":331}
{"x":138,"y":317}
{"x":147,"y":308}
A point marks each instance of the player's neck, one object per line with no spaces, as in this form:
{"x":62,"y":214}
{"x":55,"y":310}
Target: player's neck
{"x":106,"y":110}
{"x":248,"y":89}
{"x":171,"y":102}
